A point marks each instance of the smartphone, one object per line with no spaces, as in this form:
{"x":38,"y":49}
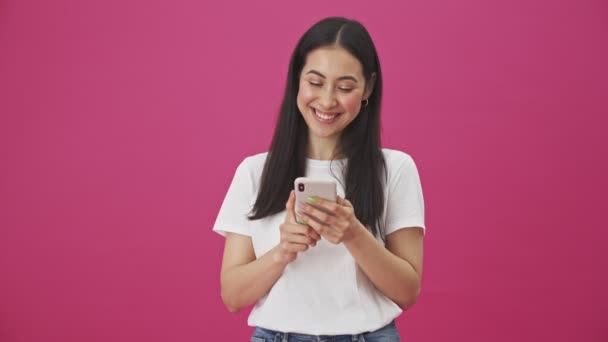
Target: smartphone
{"x":306,"y":187}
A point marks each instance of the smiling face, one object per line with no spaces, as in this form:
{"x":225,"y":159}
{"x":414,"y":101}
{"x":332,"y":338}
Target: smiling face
{"x":331,"y":89}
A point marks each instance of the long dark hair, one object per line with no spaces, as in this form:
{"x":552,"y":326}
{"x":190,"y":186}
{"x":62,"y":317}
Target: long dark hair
{"x":365,"y":172}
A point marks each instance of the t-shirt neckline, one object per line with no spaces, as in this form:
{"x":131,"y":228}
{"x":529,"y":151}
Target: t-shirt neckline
{"x":324,"y":163}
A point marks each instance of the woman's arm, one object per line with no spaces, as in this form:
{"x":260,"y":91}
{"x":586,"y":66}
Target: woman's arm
{"x":395,"y":270}
{"x":245,"y":279}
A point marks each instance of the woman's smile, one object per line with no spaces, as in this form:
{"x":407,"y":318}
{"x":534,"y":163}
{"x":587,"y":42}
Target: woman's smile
{"x":325,"y":117}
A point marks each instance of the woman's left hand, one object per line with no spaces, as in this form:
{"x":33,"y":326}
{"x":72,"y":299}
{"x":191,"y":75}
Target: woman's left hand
{"x":334,"y":221}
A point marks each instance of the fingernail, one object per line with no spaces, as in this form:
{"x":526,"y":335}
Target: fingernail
{"x":312,"y":199}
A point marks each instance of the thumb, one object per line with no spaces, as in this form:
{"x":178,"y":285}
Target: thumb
{"x":344,"y":202}
{"x":289,"y":208}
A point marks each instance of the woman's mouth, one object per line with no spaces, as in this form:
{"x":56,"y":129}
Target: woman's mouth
{"x":325,"y":117}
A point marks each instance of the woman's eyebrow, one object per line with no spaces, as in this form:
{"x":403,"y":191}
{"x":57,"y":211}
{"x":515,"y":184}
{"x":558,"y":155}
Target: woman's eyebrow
{"x":312,"y":71}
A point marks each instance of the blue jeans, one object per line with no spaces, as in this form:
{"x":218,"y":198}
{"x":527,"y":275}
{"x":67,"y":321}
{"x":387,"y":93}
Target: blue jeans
{"x":387,"y":333}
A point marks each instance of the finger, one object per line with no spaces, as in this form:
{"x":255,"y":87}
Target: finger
{"x":323,"y":204}
{"x":289,"y":208}
{"x":300,"y":219}
{"x":311,"y":212}
{"x":313,"y":234}
{"x":294,"y":247}
{"x":299,"y":238}
{"x":318,"y":227}
{"x":327,"y":232}
{"x":294,"y":228}
{"x":343,"y":202}
{"x":311,"y":237}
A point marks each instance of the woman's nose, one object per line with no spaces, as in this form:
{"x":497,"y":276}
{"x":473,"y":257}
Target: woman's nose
{"x":327,"y":99}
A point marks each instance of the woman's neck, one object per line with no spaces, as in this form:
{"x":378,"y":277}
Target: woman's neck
{"x":322,"y":148}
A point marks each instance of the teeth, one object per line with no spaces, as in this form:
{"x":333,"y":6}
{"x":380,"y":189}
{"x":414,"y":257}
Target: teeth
{"x":324,"y":116}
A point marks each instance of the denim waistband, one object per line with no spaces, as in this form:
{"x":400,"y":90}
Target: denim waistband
{"x":288,"y":337}
{"x":271,"y":335}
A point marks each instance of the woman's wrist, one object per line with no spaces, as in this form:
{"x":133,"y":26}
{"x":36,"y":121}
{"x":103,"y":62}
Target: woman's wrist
{"x":278,"y":257}
{"x":358,"y":234}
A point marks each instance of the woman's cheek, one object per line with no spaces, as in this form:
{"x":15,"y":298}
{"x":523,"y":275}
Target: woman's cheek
{"x":352,"y":103}
{"x":305,"y":94}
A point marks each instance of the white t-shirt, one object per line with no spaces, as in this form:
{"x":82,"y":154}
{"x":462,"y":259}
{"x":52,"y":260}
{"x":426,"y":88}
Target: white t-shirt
{"x":322,"y":292}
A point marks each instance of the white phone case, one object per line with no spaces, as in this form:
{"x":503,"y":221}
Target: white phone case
{"x":306,"y":187}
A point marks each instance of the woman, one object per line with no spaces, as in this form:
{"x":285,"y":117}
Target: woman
{"x":353,"y":267}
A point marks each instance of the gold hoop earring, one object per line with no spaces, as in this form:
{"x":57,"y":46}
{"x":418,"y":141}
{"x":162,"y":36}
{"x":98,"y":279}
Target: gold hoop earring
{"x":366,"y":102}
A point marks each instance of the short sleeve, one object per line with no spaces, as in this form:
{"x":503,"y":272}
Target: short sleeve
{"x":405,"y":202}
{"x":233,"y":214}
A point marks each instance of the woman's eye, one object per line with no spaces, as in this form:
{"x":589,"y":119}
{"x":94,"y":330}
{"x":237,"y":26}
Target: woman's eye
{"x":346,"y":90}
{"x":314,"y":84}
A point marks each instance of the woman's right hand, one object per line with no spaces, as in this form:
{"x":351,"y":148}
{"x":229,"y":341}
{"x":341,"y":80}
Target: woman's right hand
{"x":295,"y":237}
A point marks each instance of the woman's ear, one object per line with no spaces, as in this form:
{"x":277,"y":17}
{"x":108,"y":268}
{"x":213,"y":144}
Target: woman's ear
{"x":369,"y":87}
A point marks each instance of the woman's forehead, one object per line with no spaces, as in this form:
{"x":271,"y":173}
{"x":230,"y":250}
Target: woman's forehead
{"x":332,"y":62}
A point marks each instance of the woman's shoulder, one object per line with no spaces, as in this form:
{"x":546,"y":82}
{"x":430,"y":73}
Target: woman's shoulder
{"x":250,"y":169}
{"x":254,"y":163}
{"x":396,"y":158}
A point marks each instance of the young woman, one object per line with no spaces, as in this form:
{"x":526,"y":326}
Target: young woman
{"x":357,"y":263}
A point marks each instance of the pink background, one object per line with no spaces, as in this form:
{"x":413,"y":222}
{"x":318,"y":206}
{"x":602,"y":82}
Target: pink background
{"x":122,"y":123}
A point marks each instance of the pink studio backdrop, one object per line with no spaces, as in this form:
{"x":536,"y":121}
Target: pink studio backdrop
{"x":122,"y":122}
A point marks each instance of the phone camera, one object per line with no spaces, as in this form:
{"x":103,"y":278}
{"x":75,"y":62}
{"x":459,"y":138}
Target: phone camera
{"x":300,"y":187}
